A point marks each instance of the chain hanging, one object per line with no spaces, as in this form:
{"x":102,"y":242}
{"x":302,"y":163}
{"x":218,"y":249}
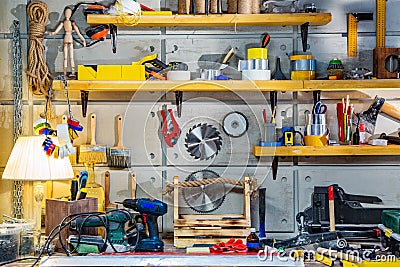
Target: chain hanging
{"x":18,"y":188}
{"x":65,"y":86}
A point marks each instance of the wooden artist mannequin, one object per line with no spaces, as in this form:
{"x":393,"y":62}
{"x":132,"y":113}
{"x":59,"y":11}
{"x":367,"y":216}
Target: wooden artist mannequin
{"x":69,"y":26}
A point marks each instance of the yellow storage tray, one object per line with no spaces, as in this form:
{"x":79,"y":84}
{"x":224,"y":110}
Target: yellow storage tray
{"x":134,"y":71}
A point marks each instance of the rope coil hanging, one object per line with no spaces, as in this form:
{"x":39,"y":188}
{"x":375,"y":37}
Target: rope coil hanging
{"x":169,"y":187}
{"x":39,"y":77}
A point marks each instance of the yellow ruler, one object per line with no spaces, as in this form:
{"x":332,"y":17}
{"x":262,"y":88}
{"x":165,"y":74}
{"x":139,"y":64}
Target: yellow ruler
{"x":351,"y":35}
{"x":380,"y":23}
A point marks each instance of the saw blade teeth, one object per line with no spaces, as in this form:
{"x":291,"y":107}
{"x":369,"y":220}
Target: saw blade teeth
{"x":209,"y":197}
{"x":203,"y":141}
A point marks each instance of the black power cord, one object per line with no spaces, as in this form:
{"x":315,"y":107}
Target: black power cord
{"x":66,"y":222}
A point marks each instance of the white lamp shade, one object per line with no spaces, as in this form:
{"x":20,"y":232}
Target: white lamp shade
{"x":28,"y":161}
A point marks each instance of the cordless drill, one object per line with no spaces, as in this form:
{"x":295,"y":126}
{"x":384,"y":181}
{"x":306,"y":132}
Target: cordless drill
{"x":113,"y":221}
{"x":149,"y":209}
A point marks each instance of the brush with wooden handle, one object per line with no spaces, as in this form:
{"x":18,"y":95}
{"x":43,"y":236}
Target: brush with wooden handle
{"x":108,"y":204}
{"x":118,"y":156}
{"x":91,"y":152}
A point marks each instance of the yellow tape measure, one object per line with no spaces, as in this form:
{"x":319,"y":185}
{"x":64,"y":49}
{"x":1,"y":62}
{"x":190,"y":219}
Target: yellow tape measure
{"x":351,"y":35}
{"x":380,"y":23}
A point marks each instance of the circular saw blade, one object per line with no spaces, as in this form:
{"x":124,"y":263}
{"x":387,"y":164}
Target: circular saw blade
{"x":203,"y":141}
{"x":235,"y":124}
{"x":205,"y":198}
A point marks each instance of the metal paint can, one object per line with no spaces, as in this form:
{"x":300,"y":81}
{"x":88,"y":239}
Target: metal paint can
{"x":303,"y":67}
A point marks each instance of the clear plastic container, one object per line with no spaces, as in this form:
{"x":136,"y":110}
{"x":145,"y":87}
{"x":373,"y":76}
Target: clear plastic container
{"x":9,"y":242}
{"x":30,"y":242}
{"x":30,"y":238}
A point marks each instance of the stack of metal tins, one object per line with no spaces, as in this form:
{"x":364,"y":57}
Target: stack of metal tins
{"x":303,"y":67}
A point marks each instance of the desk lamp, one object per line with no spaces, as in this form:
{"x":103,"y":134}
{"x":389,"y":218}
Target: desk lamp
{"x":29,"y":162}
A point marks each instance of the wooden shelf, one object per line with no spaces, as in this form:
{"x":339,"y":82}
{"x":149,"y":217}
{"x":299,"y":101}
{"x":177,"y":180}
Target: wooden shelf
{"x":185,"y":86}
{"x":346,"y":85}
{"x":231,"y":85}
{"x":302,"y":151}
{"x":285,"y":19}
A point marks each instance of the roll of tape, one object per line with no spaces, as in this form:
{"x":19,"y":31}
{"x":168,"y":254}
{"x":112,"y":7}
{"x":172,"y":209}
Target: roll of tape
{"x":259,"y":64}
{"x":303,"y":64}
{"x":178,"y":75}
{"x":303,"y":75}
{"x":300,"y":57}
{"x":209,"y":74}
{"x":256,"y":75}
{"x":257,"y":53}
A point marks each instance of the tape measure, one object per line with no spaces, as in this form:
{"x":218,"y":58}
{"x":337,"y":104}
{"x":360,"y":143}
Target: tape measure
{"x":352,"y":26}
{"x":380,"y":23}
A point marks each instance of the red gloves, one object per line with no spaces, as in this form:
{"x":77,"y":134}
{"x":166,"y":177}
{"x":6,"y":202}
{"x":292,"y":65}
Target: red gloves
{"x":231,"y":246}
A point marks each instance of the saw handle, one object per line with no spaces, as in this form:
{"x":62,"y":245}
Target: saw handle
{"x":92,"y":121}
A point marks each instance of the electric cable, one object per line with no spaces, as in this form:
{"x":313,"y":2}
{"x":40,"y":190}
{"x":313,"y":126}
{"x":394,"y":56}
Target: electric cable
{"x":66,"y":222}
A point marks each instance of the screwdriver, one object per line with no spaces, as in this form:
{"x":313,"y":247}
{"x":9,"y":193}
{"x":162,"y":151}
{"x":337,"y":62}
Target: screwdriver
{"x":82,"y":184}
{"x":266,"y":38}
{"x":74,"y":189}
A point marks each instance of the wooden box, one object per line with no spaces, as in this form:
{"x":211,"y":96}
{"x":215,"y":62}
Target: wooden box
{"x":57,"y":210}
{"x":190,"y":229}
{"x":381,"y":60}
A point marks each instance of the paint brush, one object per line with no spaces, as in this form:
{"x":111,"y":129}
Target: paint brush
{"x":91,"y":152}
{"x":119,"y":156}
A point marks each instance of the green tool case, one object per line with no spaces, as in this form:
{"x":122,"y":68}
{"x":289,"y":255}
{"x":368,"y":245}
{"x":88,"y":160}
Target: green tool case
{"x":391,"y":219}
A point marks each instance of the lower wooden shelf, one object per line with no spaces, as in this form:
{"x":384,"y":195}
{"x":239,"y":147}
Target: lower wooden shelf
{"x":320,"y":151}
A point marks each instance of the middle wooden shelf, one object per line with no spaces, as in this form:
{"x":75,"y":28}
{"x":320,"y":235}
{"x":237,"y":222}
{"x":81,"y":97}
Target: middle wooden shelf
{"x":319,"y":151}
{"x":230,"y":85}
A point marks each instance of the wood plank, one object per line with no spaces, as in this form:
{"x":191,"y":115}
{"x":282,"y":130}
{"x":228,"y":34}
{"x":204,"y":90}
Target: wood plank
{"x":185,"y":86}
{"x":212,"y":232}
{"x":301,"y":151}
{"x":222,"y":223}
{"x":188,"y":242}
{"x":346,"y":85}
{"x":213,"y":20}
{"x":204,"y":217}
{"x":204,"y":228}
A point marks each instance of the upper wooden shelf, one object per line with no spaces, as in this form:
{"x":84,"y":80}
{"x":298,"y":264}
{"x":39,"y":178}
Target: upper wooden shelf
{"x":185,"y":86}
{"x":230,"y":85}
{"x":283,"y":19}
{"x":303,"y":151}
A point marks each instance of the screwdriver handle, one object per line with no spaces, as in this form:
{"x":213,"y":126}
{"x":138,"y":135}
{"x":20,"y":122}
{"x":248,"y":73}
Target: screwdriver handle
{"x":265,"y":40}
{"x":74,"y":189}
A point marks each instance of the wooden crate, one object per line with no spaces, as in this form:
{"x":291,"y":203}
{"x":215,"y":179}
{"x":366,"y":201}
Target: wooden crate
{"x":190,"y":229}
{"x":57,"y":210}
